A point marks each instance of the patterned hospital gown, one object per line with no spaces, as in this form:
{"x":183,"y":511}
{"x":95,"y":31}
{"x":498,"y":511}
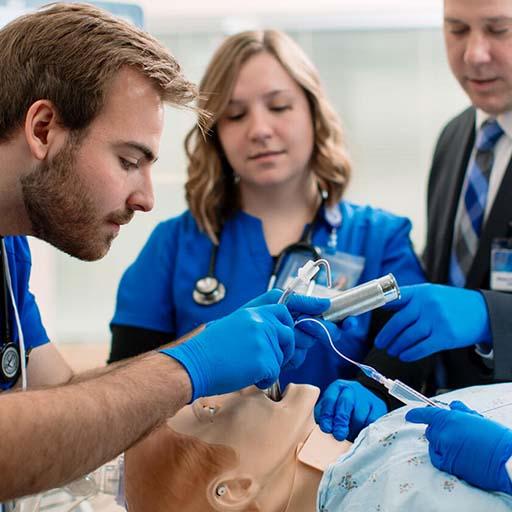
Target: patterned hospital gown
{"x":388,"y":468}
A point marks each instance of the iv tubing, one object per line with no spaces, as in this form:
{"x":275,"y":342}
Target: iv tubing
{"x":395,"y":388}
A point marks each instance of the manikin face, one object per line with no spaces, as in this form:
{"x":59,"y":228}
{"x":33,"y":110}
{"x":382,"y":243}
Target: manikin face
{"x":232,"y":453}
{"x":78,"y":198}
{"x":478,"y":36}
{"x":266,"y":131}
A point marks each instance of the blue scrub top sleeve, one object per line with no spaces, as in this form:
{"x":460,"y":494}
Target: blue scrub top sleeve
{"x":33,"y":330}
{"x":399,"y":255}
{"x":145,"y":294}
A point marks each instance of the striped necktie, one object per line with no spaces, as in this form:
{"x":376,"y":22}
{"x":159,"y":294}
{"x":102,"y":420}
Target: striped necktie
{"x":469,"y":226}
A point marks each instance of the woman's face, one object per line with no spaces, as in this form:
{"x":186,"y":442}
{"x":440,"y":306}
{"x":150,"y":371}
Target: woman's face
{"x":267,"y":129}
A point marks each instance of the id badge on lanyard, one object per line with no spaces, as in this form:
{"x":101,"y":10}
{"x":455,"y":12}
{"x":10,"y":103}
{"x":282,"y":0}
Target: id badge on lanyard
{"x":501,"y":264}
{"x":346,"y":268}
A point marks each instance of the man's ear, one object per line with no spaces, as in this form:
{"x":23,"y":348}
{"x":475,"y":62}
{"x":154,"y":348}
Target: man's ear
{"x":42,"y":128}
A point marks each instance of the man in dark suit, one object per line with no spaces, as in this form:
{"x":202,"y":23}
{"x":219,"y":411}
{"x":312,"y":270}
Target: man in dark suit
{"x":465,"y":318}
{"x":462,"y":319}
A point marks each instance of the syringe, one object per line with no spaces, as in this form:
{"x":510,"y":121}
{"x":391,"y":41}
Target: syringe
{"x":398,"y":389}
{"x":408,"y":395}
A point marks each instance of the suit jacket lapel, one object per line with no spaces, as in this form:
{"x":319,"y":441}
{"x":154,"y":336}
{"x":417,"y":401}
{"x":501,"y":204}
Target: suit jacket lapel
{"x":495,"y":227}
{"x":462,"y":145}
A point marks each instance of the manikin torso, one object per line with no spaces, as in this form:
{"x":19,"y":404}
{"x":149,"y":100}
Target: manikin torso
{"x":265,"y":455}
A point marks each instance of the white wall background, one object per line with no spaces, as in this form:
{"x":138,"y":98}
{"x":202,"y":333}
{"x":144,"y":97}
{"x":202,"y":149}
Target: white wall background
{"x":383,"y":65}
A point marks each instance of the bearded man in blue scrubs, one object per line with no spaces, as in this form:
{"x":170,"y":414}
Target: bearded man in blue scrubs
{"x":82,"y":101}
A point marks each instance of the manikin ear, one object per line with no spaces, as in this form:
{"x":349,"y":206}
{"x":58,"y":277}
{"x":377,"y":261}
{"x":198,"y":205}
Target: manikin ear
{"x":233,"y":494}
{"x":43,"y":130}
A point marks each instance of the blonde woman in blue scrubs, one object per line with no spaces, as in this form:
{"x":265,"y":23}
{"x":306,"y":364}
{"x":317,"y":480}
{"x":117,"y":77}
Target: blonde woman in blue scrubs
{"x":270,"y":172}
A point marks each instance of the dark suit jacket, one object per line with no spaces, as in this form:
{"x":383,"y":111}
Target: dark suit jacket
{"x":451,"y":156}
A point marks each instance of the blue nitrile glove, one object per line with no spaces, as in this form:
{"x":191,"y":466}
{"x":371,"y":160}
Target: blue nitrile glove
{"x":346,"y":407}
{"x":430,"y":318}
{"x":298,"y":305}
{"x":246,"y":347}
{"x":467,"y":445}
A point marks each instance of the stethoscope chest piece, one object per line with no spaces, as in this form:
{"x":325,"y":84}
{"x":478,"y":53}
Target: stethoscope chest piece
{"x":9,"y":362}
{"x":208,"y":290}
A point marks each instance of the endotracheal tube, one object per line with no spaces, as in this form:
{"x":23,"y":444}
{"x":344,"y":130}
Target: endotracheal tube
{"x":304,"y":276}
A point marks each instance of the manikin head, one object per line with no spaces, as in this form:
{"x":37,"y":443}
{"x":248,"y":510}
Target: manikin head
{"x":82,"y":112}
{"x":478,"y":36}
{"x":236,"y":452}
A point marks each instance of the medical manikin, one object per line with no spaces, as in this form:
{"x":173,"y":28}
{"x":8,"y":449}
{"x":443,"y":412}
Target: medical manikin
{"x":249,"y":453}
{"x":236,"y":452}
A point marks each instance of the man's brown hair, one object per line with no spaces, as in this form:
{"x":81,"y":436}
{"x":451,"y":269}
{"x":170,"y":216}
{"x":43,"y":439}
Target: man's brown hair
{"x":68,"y":54}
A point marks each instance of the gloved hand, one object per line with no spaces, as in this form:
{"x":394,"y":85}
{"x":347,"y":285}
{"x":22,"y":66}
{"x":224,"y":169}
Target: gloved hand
{"x":346,"y":407}
{"x":299,"y":305}
{"x":430,"y":318}
{"x":246,"y":347}
{"x":467,"y":445}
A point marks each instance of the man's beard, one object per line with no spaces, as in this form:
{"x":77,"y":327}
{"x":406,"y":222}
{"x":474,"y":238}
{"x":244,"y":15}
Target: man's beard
{"x":61,"y":209}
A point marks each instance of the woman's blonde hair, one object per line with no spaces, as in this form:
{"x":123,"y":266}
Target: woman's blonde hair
{"x":210,"y":188}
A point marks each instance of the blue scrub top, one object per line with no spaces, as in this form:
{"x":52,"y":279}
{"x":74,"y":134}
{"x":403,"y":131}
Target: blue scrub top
{"x":156,"y":290}
{"x":20,"y":264}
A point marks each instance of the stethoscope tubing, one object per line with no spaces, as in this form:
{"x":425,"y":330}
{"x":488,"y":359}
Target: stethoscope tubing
{"x":218,"y":290}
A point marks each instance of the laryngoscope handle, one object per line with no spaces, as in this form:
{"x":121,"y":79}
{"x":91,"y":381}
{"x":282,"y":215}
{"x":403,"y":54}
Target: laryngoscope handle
{"x":363,"y":298}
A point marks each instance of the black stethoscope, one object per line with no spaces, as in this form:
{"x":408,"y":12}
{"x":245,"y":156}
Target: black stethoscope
{"x":209,"y":290}
{"x":10,"y":358}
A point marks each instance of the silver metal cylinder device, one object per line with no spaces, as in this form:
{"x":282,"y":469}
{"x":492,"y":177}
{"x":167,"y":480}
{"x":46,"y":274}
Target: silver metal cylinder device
{"x":363,"y":298}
